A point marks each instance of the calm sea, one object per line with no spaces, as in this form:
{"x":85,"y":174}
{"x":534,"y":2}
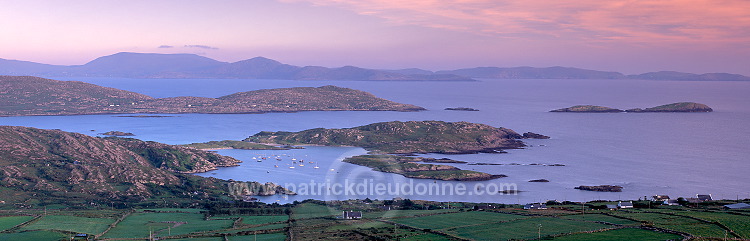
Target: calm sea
{"x":677,"y":154}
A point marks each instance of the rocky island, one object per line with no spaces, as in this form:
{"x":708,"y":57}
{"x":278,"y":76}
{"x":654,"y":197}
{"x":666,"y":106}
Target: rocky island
{"x":65,"y":167}
{"x":25,"y":96}
{"x":601,"y":188}
{"x":408,"y":167}
{"x":588,"y":109}
{"x":229,"y":144}
{"x":409,"y":137}
{"x":461,"y":109}
{"x":674,"y":107}
{"x":117,"y":133}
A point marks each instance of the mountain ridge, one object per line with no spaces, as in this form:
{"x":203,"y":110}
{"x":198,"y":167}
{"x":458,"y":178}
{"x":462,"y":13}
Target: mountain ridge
{"x":156,"y":65}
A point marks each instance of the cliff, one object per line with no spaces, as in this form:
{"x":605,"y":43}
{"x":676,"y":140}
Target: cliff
{"x":25,"y":95}
{"x":405,"y":137}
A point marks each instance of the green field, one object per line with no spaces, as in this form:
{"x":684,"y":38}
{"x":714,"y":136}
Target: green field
{"x":740,"y":224}
{"x":260,"y":237}
{"x":677,"y":223}
{"x":602,"y":218}
{"x":625,"y":234}
{"x":257,"y":220}
{"x":70,"y":223}
{"x":12,"y":221}
{"x":426,"y":237}
{"x":405,"y":213}
{"x":442,"y":221}
{"x":311,"y":210}
{"x":524,"y":229}
{"x":34,"y":236}
{"x":138,"y":225}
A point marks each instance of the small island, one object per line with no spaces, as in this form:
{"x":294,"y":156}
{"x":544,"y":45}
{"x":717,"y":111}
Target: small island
{"x":674,"y":107}
{"x":539,"y":180}
{"x":229,"y":144}
{"x":588,"y":109}
{"x":117,"y":133}
{"x":461,"y":109}
{"x":600,"y":188}
{"x":408,"y":167}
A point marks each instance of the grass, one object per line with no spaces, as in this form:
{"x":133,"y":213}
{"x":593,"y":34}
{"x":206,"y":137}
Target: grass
{"x":138,"y":225}
{"x":12,"y":221}
{"x":405,"y":213}
{"x":677,"y":223}
{"x":256,"y":220}
{"x":625,"y":234}
{"x":70,"y":223}
{"x":740,"y":224}
{"x":601,"y":218}
{"x":33,"y":236}
{"x":524,"y":229}
{"x":426,"y":237}
{"x":311,"y":210}
{"x":260,"y":237}
{"x":443,"y":221}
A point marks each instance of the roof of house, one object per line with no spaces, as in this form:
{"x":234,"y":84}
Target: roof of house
{"x":611,"y":206}
{"x":535,"y":206}
{"x":626,"y":203}
{"x":353,"y":214}
{"x":704,"y":197}
{"x":737,"y":206}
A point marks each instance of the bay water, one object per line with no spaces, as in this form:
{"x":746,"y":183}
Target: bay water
{"x":677,"y":154}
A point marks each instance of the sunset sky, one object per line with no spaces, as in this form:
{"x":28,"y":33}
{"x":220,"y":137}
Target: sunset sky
{"x":628,"y":36}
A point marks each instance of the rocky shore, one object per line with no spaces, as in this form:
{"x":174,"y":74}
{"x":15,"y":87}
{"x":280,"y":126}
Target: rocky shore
{"x":674,"y":107}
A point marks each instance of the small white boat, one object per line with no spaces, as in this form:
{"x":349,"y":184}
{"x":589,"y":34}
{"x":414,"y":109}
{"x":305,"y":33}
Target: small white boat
{"x":291,"y":167}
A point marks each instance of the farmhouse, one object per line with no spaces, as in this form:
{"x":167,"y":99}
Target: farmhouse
{"x":352,"y":215}
{"x":535,"y":206}
{"x":622,"y":204}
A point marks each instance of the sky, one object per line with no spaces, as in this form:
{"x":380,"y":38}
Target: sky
{"x":628,"y":36}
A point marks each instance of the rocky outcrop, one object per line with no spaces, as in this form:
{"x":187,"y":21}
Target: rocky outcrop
{"x":405,"y":137}
{"x":588,"y":109}
{"x":24,"y":95}
{"x":532,"y":135}
{"x":539,"y":180}
{"x":117,"y":133}
{"x":240,"y":189}
{"x":461,"y":109}
{"x":601,"y":188}
{"x":407,"y":166}
{"x":676,"y":107}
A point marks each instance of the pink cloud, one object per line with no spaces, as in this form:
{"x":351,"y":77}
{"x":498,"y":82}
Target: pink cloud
{"x":710,"y":21}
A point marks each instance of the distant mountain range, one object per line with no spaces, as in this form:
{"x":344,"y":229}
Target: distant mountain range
{"x":151,"y":65}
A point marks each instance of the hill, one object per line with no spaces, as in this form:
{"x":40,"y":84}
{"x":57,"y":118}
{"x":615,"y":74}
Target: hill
{"x":405,"y":137}
{"x":24,"y":95}
{"x":672,"y":75}
{"x":676,"y":107}
{"x":54,"y":166}
{"x":153,"y":65}
{"x":533,"y":73}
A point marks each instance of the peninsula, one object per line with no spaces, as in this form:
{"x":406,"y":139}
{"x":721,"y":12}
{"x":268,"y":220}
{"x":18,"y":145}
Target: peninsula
{"x":26,"y":96}
{"x":409,"y":167}
{"x":64,"y":167}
